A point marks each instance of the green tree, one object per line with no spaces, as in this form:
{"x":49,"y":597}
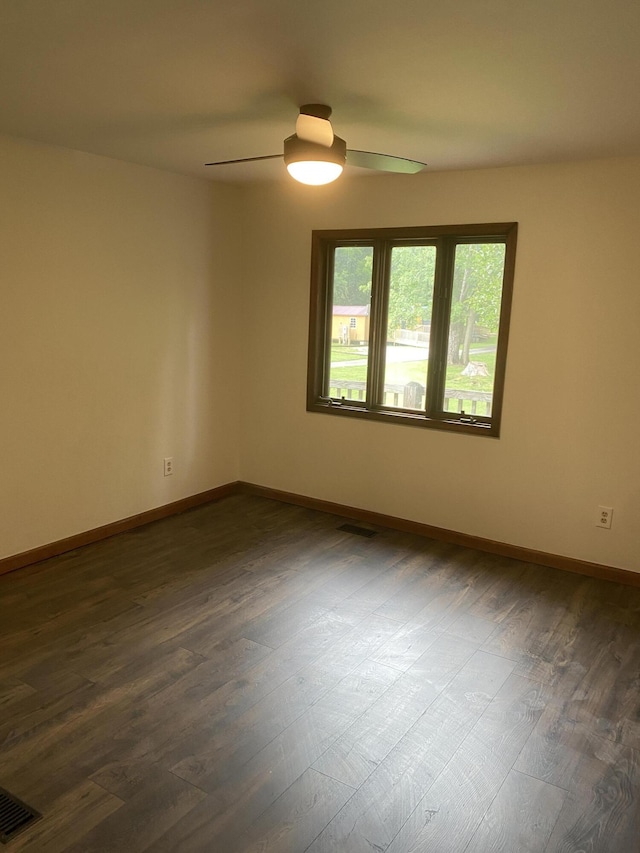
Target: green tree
{"x":411,"y":290}
{"x":476,"y":298}
{"x":352,"y":275}
{"x":411,"y":286}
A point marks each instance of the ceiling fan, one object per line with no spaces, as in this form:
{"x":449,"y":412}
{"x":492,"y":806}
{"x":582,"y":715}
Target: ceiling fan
{"x":315,"y":155}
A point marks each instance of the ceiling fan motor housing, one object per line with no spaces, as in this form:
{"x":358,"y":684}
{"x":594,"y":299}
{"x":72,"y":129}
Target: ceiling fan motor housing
{"x":297,"y":150}
{"x":317,"y":110}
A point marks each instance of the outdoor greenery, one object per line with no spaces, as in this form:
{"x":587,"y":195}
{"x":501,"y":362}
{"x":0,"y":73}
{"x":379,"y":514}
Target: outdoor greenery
{"x":411,"y":286}
{"x":477,"y":294}
{"x":345,"y":353}
{"x":401,"y":373}
{"x":477,"y":289}
{"x":352,"y":275}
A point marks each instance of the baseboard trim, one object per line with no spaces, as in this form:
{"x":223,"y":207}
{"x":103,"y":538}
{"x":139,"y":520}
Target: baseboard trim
{"x":555,"y":561}
{"x":54,"y":549}
{"x":517,"y":552}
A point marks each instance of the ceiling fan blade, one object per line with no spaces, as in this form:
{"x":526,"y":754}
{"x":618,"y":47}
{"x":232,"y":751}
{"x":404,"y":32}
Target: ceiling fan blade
{"x":314,"y":129}
{"x":245,"y":160}
{"x":383,"y":162}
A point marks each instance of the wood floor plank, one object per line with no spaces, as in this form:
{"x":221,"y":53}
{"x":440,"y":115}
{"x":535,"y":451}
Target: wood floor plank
{"x":277,"y":625}
{"x":391,"y":582}
{"x":31,"y":714}
{"x":209,"y":707}
{"x":382,"y":804}
{"x":370,"y":738}
{"x":224,"y":756}
{"x":556,"y":746}
{"x":470,"y":627}
{"x":143,"y":819}
{"x":63,"y":651}
{"x":296,"y":818}
{"x":168,"y":585}
{"x":70,"y":737}
{"x":462,"y":581}
{"x":358,"y":644}
{"x":360,"y":570}
{"x":408,"y":643}
{"x":453,"y":807}
{"x":237,"y":742}
{"x":540,"y":619}
{"x":600,"y":812}
{"x":442,"y":660}
{"x":433,"y":564}
{"x":31,"y":644}
{"x":607,"y":698}
{"x":359,"y":750}
{"x":70,"y":818}
{"x":521,"y":817}
{"x":240,"y":794}
{"x":289,"y":825}
{"x":13,"y":690}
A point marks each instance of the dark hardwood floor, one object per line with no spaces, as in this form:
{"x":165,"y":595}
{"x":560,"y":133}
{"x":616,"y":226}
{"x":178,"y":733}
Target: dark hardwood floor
{"x":246,"y":677}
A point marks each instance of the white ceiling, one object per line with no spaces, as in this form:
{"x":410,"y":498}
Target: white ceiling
{"x":457,"y":83}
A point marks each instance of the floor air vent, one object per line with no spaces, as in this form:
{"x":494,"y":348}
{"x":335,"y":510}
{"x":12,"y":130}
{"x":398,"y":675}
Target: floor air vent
{"x":359,"y":531}
{"x":14,"y":816}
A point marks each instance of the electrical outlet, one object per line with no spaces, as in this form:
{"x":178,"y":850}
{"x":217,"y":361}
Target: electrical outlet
{"x":603,"y":517}
{"x":168,"y":466}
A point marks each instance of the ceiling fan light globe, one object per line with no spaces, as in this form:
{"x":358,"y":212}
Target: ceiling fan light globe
{"x":314,"y":172}
{"x":314,"y":164}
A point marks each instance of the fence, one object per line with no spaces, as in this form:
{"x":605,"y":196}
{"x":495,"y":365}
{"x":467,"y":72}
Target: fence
{"x":410,"y":336}
{"x":411,"y":396}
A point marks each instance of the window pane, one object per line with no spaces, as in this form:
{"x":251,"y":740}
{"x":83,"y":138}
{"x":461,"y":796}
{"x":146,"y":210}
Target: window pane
{"x":473,"y":328}
{"x":351,"y":308}
{"x":408,"y":326}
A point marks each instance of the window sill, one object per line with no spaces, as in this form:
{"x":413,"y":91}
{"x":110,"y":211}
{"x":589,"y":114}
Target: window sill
{"x":351,"y":409}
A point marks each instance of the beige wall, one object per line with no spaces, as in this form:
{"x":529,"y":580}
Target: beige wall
{"x":123,"y":306}
{"x":119,"y":290}
{"x":572,"y":406}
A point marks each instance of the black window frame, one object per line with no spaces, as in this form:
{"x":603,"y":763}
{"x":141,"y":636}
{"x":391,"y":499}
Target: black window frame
{"x":445,"y":238}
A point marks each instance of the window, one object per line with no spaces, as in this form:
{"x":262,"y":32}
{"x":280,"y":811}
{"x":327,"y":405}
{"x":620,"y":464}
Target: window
{"x":410,"y":325}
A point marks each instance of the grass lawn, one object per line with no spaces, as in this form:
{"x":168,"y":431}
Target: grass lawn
{"x":339,"y":353}
{"x":399,"y":373}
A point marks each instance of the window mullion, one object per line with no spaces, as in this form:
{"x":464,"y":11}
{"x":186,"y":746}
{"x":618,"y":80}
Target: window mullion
{"x":327,"y":276}
{"x":438,"y":339}
{"x":377,"y":324}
